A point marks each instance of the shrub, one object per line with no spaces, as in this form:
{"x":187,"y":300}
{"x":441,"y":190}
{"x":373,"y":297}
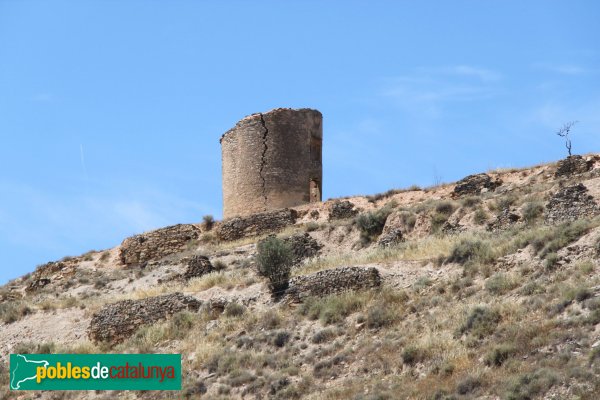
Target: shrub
{"x":379,"y":316}
{"x":499,"y":354}
{"x":481,"y":322}
{"x":551,"y":261}
{"x":499,"y":284}
{"x":532,"y":211}
{"x":274,"y":261}
{"x":468,"y":385}
{"x":311,"y":226}
{"x":597,"y":246}
{"x":470,"y":201}
{"x":468,"y":250}
{"x":180,"y":324}
{"x":34,"y":348}
{"x":208,"y":222}
{"x":13,"y":311}
{"x":370,"y":224}
{"x":445,"y":207}
{"x":234,"y":309}
{"x":562,"y":236}
{"x":412,"y":355}
{"x":331,"y":309}
{"x":408,"y":219}
{"x":324,"y":335}
{"x":529,"y":386}
{"x":480,"y":217}
{"x":281,"y":338}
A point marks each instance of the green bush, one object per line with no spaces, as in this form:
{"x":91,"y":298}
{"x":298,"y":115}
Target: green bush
{"x":379,"y":316}
{"x":480,"y":217}
{"x":499,"y":284}
{"x":481,"y":322}
{"x":529,"y":386}
{"x":499,"y":354}
{"x":274,"y":260}
{"x":470,"y":250}
{"x":532,"y":211}
{"x":412,"y":355}
{"x":234,"y":309}
{"x":208,"y":222}
{"x":370,"y":224}
{"x":13,"y":311}
{"x":331,"y":309}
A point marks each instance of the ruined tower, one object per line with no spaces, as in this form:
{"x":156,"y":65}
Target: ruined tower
{"x":272,"y":160}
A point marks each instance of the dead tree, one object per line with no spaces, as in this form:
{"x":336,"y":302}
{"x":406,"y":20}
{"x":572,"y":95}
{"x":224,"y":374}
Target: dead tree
{"x":564,"y":132}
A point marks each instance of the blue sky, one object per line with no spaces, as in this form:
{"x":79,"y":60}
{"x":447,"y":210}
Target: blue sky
{"x":111,"y":111}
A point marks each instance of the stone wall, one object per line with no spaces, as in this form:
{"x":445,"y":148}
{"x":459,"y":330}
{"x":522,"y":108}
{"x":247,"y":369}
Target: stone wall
{"x":474,"y":185}
{"x":571,"y":203}
{"x":256,"y":224}
{"x":154,"y":245}
{"x":272,"y":160}
{"x":332,"y":281}
{"x":116,"y":322}
{"x":342,"y":210}
{"x":573,"y":165}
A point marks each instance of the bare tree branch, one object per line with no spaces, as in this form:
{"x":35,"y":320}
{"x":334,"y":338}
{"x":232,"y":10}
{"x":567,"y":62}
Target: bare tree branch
{"x":564,"y":131}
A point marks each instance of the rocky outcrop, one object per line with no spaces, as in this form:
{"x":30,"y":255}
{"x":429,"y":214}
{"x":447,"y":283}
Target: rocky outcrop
{"x":154,"y":245}
{"x":52,"y":271}
{"x":197,"y":266}
{"x":390,"y":238}
{"x":506,"y":219}
{"x":116,"y":322}
{"x":303,"y":246}
{"x":571,"y":203}
{"x":256,"y":224}
{"x":342,"y":210}
{"x":332,"y":281}
{"x":573,"y":165}
{"x":475,"y":185}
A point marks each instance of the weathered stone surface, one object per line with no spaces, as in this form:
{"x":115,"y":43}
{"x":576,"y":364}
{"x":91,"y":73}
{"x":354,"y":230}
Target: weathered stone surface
{"x":303,"y":246}
{"x":197,"y":266}
{"x":256,"y":224}
{"x":272,"y":160}
{"x":116,"y":322}
{"x":474,"y":185}
{"x":331,"y":281}
{"x":573,"y":165}
{"x":52,"y":271}
{"x":506,"y":219}
{"x":391,"y":238}
{"x":571,"y":203}
{"x":342,"y":209}
{"x":154,"y":245}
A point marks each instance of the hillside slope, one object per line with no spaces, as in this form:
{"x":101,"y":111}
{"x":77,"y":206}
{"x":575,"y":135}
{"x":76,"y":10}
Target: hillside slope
{"x":483,"y":289}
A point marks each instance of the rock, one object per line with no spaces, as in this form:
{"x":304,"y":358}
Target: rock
{"x":256,"y":224}
{"x":475,"y":185}
{"x":197,"y":266}
{"x":342,"y":210}
{"x":154,"y":245}
{"x":331,"y":281}
{"x":303,"y":246}
{"x":391,"y":238}
{"x":573,"y":165}
{"x":116,"y":322}
{"x":571,"y":203}
{"x":506,"y":219}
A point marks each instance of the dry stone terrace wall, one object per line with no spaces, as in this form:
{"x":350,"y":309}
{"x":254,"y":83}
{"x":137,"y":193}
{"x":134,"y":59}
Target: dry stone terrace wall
{"x":154,"y":245}
{"x":256,"y":224}
{"x":116,"y":322}
{"x":272,"y":160}
{"x":332,"y":281}
{"x":571,"y":203}
{"x":475,"y":185}
{"x":573,"y":165}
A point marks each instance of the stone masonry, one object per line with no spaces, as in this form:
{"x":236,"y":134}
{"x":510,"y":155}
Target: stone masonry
{"x":571,"y":203}
{"x":473,"y":185}
{"x":154,"y":245}
{"x":272,"y":160}
{"x":332,"y":281}
{"x":256,"y":224}
{"x":116,"y":322}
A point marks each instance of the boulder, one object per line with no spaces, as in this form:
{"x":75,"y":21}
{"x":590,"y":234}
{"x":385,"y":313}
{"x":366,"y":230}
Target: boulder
{"x":475,"y":185}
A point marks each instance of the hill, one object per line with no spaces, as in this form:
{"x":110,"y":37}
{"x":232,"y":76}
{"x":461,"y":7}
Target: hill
{"x":487,"y":288}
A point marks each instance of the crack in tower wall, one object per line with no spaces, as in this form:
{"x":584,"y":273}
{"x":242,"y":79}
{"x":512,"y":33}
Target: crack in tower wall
{"x":263,"y":160}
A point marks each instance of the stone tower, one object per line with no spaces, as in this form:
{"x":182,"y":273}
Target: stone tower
{"x":272,"y":160}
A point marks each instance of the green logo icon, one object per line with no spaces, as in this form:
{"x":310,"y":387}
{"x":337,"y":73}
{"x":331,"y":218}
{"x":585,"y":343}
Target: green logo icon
{"x":95,"y":371}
